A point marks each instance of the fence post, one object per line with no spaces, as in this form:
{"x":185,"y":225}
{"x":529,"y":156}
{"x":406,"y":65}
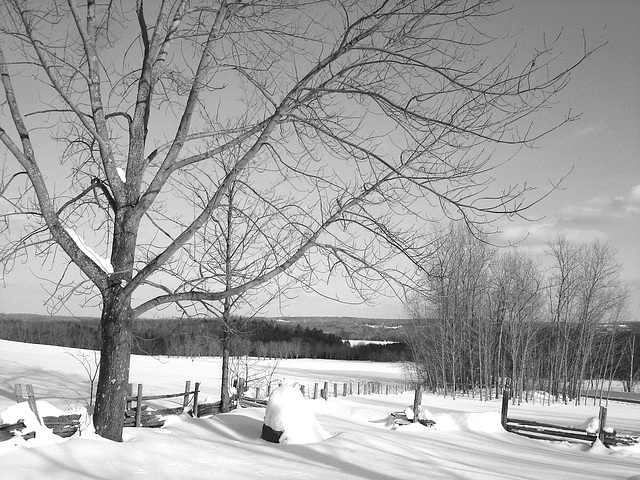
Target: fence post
{"x":19,"y":395}
{"x":240,"y":389}
{"x":602,"y":417}
{"x":139,"y":406}
{"x":326,"y":391}
{"x":417,"y":401}
{"x":315,"y":392}
{"x":344,"y":389}
{"x":195,"y":400}
{"x":302,"y":389}
{"x":129,"y":393}
{"x":185,"y":401}
{"x":335,"y":390}
{"x":505,"y":408}
{"x":31,"y":399}
{"x":257,"y":393}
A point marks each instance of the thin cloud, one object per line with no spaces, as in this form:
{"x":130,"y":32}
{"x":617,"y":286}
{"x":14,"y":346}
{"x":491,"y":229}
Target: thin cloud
{"x":588,"y":130}
{"x":634,"y":199}
{"x":603,"y":210}
{"x":585,"y":222}
{"x":534,"y":236}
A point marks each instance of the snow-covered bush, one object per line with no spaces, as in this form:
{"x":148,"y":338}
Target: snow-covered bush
{"x":288,"y":419}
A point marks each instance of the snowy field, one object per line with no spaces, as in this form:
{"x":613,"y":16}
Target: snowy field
{"x":466,"y":443}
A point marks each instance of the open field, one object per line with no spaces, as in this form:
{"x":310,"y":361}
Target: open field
{"x":466,"y":443}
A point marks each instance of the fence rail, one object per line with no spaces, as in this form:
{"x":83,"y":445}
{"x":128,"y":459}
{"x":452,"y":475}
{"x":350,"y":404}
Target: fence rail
{"x":624,"y":397}
{"x":329,"y":389}
{"x":141,"y":416}
{"x":548,"y":431}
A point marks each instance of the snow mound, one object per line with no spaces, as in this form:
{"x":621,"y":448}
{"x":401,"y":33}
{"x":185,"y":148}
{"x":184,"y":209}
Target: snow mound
{"x":423,"y":413}
{"x":474,"y":422}
{"x":22,"y":412}
{"x":287,"y":412}
{"x":592,"y":425}
{"x":598,"y":448}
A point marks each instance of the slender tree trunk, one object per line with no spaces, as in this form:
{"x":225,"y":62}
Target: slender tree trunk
{"x":498,"y":361}
{"x":224,"y":387}
{"x":631,"y":360}
{"x":115,"y":326}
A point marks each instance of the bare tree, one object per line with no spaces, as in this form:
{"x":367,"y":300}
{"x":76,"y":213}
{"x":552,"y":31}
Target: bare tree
{"x":453,"y":290}
{"x":482,"y":318}
{"x":373,"y":117}
{"x":563,"y":292}
{"x":517,"y":291}
{"x":236,"y":245}
{"x":585,"y":292}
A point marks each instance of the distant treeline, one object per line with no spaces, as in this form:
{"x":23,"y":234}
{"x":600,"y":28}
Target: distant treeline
{"x":200,"y":337}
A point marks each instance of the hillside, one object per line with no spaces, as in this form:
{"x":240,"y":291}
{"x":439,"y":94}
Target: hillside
{"x":350,"y":328}
{"x":347,"y":328}
{"x":298,"y":337}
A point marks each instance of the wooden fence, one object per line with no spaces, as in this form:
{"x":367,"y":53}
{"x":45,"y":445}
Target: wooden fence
{"x":548,"y":431}
{"x":143,"y":416}
{"x":139,"y":413}
{"x":63,"y":426}
{"x":330,"y":389}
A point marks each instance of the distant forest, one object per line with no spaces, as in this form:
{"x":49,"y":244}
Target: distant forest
{"x":199,"y":337}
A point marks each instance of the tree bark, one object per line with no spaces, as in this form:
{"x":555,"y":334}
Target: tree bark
{"x":115,"y":328}
{"x":224,"y":383}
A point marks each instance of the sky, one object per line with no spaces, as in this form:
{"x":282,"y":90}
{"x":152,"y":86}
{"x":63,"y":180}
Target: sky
{"x":597,"y":157}
{"x":600,"y":197}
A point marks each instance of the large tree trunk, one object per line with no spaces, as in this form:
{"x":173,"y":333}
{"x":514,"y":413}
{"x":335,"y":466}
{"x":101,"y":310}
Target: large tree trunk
{"x":108,"y":417}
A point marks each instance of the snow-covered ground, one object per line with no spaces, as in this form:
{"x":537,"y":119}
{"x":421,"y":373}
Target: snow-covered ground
{"x":466,"y":443}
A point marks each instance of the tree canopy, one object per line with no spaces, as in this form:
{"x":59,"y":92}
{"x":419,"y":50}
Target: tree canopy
{"x":344,"y":128}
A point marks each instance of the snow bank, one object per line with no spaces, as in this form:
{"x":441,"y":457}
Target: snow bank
{"x":229,"y":445}
{"x":423,"y":413}
{"x":22,"y":412}
{"x":474,"y":422}
{"x":480,"y":422}
{"x":592,"y":425}
{"x":287,"y":412}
